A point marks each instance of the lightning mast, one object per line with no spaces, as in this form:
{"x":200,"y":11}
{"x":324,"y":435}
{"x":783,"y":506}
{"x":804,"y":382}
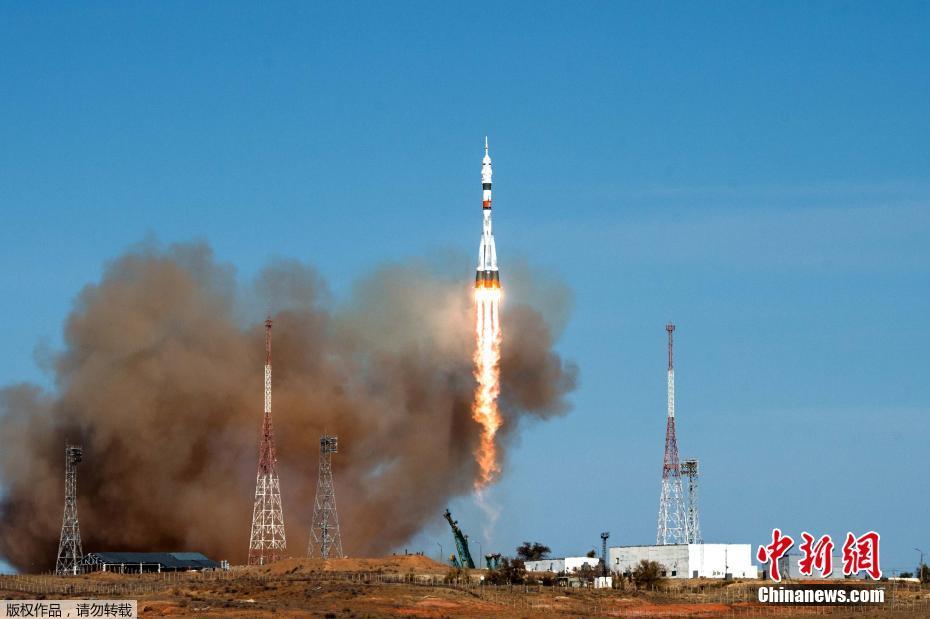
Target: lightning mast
{"x":673,"y":526}
{"x":605,"y":566}
{"x":690,"y":469}
{"x":70,"y":553}
{"x":267,"y":542}
{"x":325,"y":538}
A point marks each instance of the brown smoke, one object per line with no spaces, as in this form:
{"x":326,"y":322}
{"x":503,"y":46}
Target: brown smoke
{"x":161,"y":381}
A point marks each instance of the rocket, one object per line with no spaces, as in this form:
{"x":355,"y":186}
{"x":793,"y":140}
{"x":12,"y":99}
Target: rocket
{"x":486,"y":275}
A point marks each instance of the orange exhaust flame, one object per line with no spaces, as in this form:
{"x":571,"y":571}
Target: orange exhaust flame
{"x":487,"y":373}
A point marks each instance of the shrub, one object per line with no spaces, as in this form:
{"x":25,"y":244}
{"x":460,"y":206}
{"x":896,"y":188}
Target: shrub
{"x":455,"y":574}
{"x":646,"y":574}
{"x":508,"y":572}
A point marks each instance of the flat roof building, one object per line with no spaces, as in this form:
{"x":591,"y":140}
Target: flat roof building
{"x":557,"y":566}
{"x":687,"y":560}
{"x":789,"y":568}
{"x":138,"y":562}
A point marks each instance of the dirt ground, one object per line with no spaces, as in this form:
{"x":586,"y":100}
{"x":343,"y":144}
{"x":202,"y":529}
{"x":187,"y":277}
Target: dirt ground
{"x":411,"y":586}
{"x":400,"y":564}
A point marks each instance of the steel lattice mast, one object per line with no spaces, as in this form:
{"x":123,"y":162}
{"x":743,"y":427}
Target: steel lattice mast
{"x":605,"y":565}
{"x":325,"y":539}
{"x":70,"y":553}
{"x":673,"y":525}
{"x":267,"y":542}
{"x":689,"y":468}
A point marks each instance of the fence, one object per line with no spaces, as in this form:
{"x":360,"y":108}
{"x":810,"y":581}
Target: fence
{"x":902,"y":599}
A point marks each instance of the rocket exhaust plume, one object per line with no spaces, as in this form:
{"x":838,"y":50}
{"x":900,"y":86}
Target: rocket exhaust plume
{"x":157,"y":380}
{"x":487,"y":374}
{"x":487,"y":341}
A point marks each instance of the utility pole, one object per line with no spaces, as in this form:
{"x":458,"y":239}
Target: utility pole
{"x":920,"y":567}
{"x":325,"y":539}
{"x":267,"y":542}
{"x":672,"y":526}
{"x":70,"y":553}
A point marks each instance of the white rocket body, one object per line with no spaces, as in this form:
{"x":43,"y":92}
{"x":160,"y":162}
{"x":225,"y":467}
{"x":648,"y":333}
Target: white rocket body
{"x":486,"y":275}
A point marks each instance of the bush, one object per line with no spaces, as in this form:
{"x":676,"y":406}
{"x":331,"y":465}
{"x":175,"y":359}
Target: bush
{"x":646,"y":574}
{"x":588,"y":573}
{"x":455,"y":574}
{"x":508,"y":572}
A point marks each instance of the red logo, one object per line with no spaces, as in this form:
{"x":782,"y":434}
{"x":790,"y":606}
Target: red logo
{"x":774,"y":551}
{"x":816,"y":555}
{"x":861,"y":554}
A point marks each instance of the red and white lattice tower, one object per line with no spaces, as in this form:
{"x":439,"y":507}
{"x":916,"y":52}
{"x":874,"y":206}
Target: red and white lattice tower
{"x":673,"y":525}
{"x":267,"y":542}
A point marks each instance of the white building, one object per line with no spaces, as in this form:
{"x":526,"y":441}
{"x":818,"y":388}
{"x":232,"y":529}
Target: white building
{"x":688,"y":560}
{"x":789,"y":568}
{"x":567,"y":565}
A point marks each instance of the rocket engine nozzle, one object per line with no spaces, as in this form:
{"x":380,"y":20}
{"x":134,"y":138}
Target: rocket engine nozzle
{"x":487,"y":279}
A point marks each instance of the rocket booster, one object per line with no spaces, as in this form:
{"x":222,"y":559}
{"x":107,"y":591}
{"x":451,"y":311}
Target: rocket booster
{"x":486,"y":275}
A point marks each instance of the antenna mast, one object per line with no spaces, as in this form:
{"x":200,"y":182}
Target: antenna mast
{"x":673,"y":526}
{"x":325,"y":538}
{"x":267,"y":542}
{"x":70,"y":553}
{"x":690,"y":469}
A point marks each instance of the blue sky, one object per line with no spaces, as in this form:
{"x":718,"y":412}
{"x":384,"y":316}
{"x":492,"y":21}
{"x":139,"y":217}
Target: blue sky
{"x":759,"y":173}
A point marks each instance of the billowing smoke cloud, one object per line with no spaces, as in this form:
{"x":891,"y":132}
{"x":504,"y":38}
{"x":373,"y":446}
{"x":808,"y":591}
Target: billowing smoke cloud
{"x":161,"y":380}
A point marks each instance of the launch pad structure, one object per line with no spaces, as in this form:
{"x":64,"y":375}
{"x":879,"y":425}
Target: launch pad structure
{"x":464,"y":559}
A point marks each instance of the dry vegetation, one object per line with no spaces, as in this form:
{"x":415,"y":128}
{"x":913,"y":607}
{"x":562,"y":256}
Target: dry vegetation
{"x":411,"y":586}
